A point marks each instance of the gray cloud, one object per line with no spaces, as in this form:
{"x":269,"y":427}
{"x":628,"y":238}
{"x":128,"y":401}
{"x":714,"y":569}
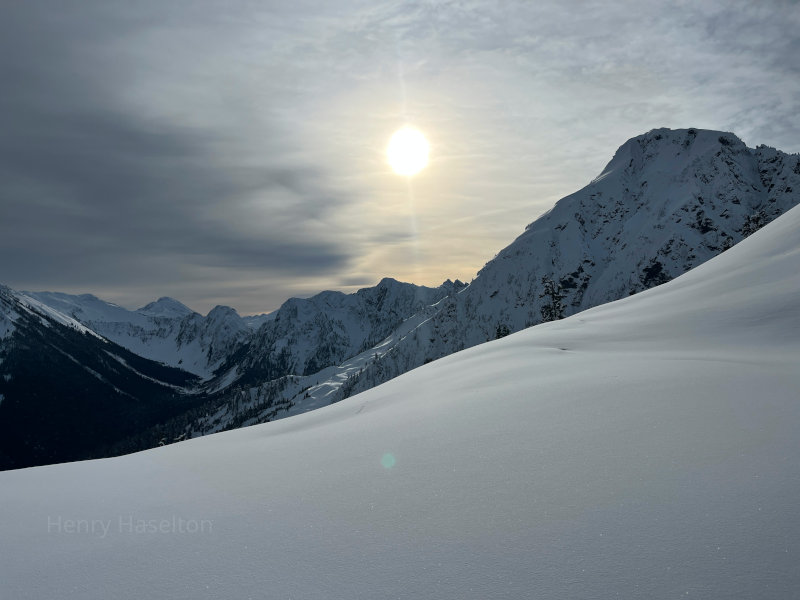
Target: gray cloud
{"x":94,"y":194}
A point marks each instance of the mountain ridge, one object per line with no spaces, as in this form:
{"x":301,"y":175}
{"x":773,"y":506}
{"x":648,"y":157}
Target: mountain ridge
{"x":668,"y":201}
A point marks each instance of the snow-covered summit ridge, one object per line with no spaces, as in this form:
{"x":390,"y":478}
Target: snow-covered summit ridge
{"x":307,"y":335}
{"x":165,"y":307}
{"x":663,"y":149}
{"x":221,"y":312}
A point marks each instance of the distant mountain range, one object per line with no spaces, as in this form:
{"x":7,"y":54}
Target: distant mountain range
{"x":165,"y":330}
{"x":82,"y":377}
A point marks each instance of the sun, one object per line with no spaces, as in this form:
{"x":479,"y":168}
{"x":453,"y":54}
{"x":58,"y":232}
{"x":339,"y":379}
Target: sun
{"x":407,"y":151}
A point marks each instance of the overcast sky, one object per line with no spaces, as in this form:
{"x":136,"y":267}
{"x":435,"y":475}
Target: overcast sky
{"x":233,"y":152}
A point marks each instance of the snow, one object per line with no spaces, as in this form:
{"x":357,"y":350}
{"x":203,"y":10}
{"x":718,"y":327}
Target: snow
{"x":95,"y":374}
{"x":7,"y":325}
{"x":165,"y":331}
{"x":256,"y":321}
{"x":7,"y":313}
{"x":310,"y":336}
{"x":646,"y":448}
{"x":85,"y":307}
{"x":224,"y":381}
{"x":165,"y":307}
{"x":321,"y":388}
{"x":127,"y":366}
{"x":37,"y":307}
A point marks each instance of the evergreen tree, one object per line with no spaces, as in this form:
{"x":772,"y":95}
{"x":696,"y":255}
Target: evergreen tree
{"x":553,"y":308}
{"x":502,"y":331}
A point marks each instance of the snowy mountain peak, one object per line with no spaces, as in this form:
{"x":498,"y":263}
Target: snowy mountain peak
{"x":664,"y":149}
{"x":453,"y":287}
{"x":668,"y":201}
{"x":220,"y":312}
{"x":165,"y":307}
{"x":387,"y":282}
{"x":223,"y":322}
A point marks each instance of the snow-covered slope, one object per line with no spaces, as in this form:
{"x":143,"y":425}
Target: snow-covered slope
{"x":13,"y":304}
{"x":647,"y":448}
{"x":668,"y":201}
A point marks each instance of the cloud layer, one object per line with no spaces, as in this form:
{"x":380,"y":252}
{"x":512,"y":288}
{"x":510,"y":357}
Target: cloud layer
{"x":233,"y":152}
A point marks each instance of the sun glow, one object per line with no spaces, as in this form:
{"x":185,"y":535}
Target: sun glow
{"x":408,"y":151}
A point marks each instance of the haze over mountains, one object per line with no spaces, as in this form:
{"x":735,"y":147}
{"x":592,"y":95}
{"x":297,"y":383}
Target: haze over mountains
{"x":667,"y":202}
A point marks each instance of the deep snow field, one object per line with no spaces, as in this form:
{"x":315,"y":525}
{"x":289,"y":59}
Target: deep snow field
{"x":648,"y":448}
